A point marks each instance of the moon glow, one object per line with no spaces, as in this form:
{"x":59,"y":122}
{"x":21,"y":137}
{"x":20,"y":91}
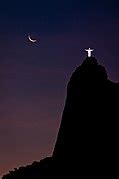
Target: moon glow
{"x":31,"y":40}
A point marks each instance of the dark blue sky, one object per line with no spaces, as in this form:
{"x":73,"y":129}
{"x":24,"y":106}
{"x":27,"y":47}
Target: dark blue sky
{"x":33,"y":77}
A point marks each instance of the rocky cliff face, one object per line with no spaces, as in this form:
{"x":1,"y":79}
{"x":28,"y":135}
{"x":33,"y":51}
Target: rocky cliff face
{"x":87,"y":142}
{"x":89,"y":128}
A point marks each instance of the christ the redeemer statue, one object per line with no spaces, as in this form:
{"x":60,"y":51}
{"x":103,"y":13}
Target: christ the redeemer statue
{"x":89,"y":51}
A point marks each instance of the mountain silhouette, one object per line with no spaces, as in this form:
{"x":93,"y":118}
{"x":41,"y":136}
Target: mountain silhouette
{"x":87,"y":142}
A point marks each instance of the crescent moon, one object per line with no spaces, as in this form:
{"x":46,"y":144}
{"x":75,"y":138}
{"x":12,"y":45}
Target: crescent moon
{"x":32,"y":40}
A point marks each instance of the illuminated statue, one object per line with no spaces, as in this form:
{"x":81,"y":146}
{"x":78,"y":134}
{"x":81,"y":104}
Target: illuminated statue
{"x":89,"y":51}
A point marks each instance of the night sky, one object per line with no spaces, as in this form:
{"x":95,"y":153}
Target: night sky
{"x":33,"y":76}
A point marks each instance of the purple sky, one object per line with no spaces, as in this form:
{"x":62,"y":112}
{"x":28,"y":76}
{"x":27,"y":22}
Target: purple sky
{"x":33,"y":77}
